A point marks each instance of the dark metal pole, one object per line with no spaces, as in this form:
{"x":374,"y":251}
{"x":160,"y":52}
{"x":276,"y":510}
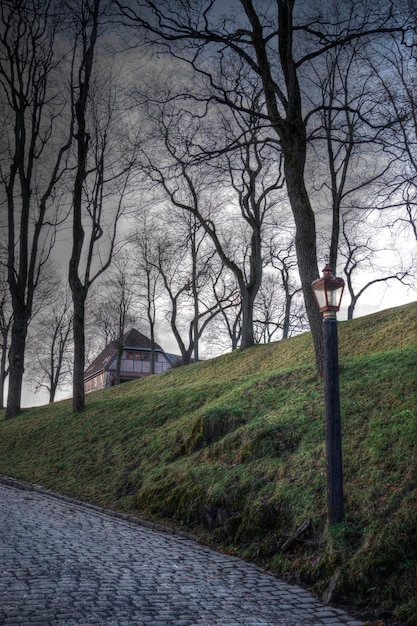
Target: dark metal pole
{"x":335,"y":504}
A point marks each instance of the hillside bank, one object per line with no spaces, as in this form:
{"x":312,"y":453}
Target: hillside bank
{"x":233,"y":450}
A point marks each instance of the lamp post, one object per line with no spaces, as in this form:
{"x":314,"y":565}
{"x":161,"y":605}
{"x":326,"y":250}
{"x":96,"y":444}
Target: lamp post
{"x":328,"y":292}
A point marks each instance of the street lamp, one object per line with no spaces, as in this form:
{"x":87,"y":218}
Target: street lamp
{"x":328,"y":292}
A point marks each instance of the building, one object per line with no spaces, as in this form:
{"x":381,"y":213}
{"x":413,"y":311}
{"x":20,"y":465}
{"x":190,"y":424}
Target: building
{"x":136,"y":362}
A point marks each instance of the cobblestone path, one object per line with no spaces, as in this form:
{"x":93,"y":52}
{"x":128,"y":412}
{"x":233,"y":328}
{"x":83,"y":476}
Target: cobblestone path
{"x":63,"y":563}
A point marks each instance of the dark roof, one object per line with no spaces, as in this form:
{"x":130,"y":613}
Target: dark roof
{"x":132,"y":339}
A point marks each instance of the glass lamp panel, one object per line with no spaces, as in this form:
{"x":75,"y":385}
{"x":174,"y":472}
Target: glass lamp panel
{"x":334,"y":294}
{"x":320,"y":294}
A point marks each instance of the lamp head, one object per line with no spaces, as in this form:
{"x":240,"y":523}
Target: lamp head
{"x":328,"y":290}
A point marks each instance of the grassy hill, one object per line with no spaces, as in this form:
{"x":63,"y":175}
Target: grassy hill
{"x":233,"y":449}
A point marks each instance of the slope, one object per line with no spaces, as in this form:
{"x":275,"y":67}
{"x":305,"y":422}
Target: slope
{"x":233,"y":449}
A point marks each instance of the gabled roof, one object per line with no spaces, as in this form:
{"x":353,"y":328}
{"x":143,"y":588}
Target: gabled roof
{"x":132,"y":339}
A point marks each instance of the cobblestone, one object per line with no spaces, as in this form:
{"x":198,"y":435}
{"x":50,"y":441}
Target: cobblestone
{"x":63,"y":563}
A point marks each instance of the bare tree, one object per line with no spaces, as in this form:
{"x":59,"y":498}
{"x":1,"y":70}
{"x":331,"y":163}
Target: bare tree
{"x":360,"y":252}
{"x":351,"y":161}
{"x":229,"y":322}
{"x":114,"y":304}
{"x":50,"y":347}
{"x":184,"y":263}
{"x":101,"y":176}
{"x":290,"y":316}
{"x":31,"y":159}
{"x":144,"y":255}
{"x":247,"y":181}
{"x":276,"y":44}
{"x":267,"y":309}
{"x":396,"y":72}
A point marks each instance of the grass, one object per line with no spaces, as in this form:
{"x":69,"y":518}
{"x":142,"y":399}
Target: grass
{"x":233,"y":450}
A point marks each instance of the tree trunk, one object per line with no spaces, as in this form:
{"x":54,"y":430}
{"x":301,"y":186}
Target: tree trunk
{"x":305,"y":241}
{"x":152,"y":328}
{"x":196,"y":330}
{"x":2,"y":379}
{"x":287,"y":316}
{"x":248,"y":298}
{"x":16,"y":365}
{"x":3,"y":374}
{"x":119,"y":359}
{"x":52,"y":393}
{"x":78,"y":392}
{"x":351,"y":309}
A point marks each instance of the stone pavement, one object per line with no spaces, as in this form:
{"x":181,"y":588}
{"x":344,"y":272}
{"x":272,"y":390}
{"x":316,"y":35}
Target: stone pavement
{"x":65,"y":563}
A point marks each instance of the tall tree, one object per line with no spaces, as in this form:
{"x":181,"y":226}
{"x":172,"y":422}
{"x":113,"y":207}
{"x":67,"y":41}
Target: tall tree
{"x":277,"y":44}
{"x":101,"y":172}
{"x":31,"y":158}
